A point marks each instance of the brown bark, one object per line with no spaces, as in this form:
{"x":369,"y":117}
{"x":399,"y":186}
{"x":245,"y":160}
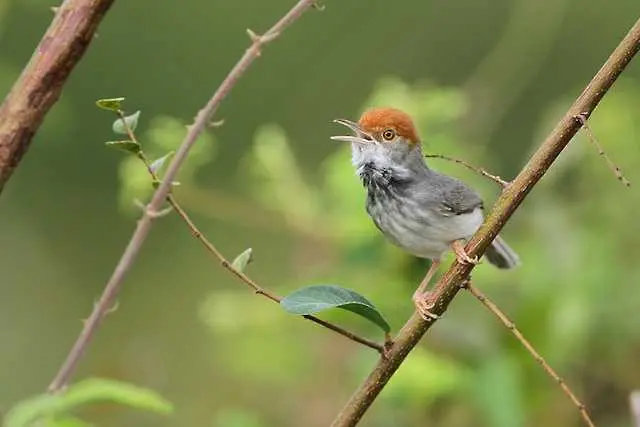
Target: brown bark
{"x":41,"y":81}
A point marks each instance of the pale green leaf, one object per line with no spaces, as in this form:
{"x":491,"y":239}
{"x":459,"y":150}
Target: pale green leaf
{"x":157,"y":164}
{"x":125,"y":145}
{"x":130,"y":122}
{"x":242,"y":260}
{"x":110,"y":104}
{"x":84,"y":392}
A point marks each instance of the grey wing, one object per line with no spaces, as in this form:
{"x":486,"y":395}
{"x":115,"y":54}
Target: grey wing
{"x":458,"y":198}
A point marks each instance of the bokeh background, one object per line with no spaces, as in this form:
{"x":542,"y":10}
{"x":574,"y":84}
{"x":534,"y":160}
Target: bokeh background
{"x":485,"y":81}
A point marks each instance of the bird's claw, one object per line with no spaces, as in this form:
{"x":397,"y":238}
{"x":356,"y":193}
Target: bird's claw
{"x":423,"y":307}
{"x":461,"y":254}
{"x":466,"y":259}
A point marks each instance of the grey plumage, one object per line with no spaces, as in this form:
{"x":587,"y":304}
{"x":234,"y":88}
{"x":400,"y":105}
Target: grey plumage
{"x":420,"y":210}
{"x":423,"y":211}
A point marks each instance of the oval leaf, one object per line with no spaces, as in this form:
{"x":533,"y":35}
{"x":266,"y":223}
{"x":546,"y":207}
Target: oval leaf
{"x":241,"y":261}
{"x":314,"y":299}
{"x":129,"y":123}
{"x":110,"y":104}
{"x":157,"y":164}
{"x":126,"y":145}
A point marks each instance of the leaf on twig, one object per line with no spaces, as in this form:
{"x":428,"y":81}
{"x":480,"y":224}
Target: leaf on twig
{"x":242,"y":260}
{"x":130,"y":122}
{"x":157,"y":164}
{"x":313,"y":299}
{"x":110,"y":104}
{"x":83,"y":392}
{"x":125,"y":145}
{"x":156,"y":183}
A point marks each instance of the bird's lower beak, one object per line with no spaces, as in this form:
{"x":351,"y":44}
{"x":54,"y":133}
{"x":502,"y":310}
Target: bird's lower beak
{"x":360,"y":136}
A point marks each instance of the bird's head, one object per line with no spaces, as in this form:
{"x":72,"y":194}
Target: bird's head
{"x":383,"y":136}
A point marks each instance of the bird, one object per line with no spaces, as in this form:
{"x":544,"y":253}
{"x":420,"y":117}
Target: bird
{"x":418,"y":209}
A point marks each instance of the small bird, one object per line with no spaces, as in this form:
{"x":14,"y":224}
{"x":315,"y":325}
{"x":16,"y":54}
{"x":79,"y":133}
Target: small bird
{"x":423,"y":212}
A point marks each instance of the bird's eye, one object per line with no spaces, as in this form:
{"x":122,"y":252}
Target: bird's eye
{"x":389,"y":134}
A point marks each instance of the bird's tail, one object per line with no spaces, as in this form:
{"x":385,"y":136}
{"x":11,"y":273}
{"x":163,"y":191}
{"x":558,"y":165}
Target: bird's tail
{"x":501,"y":255}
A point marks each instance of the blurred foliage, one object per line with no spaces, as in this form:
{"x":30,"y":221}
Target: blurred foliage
{"x":485,"y":83}
{"x":52,"y":409}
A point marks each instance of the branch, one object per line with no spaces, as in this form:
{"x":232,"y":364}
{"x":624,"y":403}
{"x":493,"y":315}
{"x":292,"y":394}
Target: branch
{"x":482,"y":171}
{"x":449,"y":285}
{"x":212,"y":249}
{"x":490,"y":305}
{"x":41,"y":81}
{"x":112,"y":288}
{"x":259,"y":290}
{"x":582,"y":119}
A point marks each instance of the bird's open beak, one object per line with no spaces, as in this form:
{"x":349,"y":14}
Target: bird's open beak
{"x":360,"y":137}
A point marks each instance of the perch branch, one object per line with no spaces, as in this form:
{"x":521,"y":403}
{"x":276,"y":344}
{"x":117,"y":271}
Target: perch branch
{"x":212,"y":249}
{"x":449,"y":285}
{"x":112,"y":288}
{"x":41,"y":81}
{"x":493,"y":308}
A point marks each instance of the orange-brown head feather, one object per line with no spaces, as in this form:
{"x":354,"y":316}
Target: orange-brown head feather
{"x":376,"y":120}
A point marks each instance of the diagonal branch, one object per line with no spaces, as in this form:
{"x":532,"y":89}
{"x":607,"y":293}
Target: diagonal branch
{"x":112,"y":288}
{"x":449,"y":285}
{"x":41,"y":81}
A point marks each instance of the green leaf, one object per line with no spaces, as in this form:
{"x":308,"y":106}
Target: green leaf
{"x":131,"y":122}
{"x":125,"y":145}
{"x":241,"y":261}
{"x":156,"y":183}
{"x":157,"y":164}
{"x":110,"y":104}
{"x":314,"y":299}
{"x":83,"y":392}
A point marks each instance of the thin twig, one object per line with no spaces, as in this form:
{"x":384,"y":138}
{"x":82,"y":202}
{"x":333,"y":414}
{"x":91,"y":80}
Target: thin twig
{"x":493,"y":308}
{"x":510,"y":199}
{"x":112,"y":288}
{"x":582,"y":119}
{"x":212,"y":249}
{"x":482,"y":171}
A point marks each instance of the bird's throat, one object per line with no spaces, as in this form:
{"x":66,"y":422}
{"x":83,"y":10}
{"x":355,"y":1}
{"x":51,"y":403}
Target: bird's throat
{"x":381,"y":179}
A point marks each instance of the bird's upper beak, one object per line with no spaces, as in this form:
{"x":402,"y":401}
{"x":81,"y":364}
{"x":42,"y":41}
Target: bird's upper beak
{"x":359,"y":137}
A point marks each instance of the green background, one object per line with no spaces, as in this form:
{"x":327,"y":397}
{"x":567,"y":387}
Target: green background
{"x":485,"y":80}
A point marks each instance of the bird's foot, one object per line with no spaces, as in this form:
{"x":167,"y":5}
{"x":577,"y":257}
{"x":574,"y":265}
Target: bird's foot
{"x":424,"y":304}
{"x":461,"y":254}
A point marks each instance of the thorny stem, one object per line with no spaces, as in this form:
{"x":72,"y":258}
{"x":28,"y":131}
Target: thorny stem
{"x":211,"y":248}
{"x":482,"y":171}
{"x":112,"y":288}
{"x":493,"y":308}
{"x":582,"y":119}
{"x":508,"y":202}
